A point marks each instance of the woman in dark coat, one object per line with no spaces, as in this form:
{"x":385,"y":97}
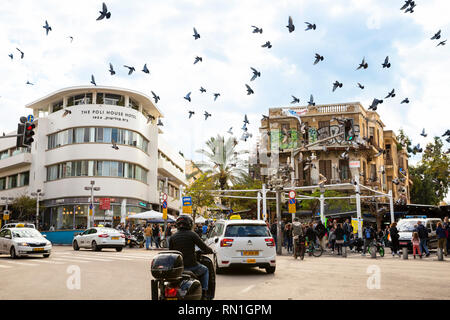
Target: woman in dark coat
{"x":393,"y":232}
{"x":339,"y":233}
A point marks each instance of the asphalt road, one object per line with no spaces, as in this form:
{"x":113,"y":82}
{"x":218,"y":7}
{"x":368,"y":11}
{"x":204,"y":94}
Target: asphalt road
{"x":126,"y":275}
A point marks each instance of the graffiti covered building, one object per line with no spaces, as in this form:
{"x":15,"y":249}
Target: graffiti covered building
{"x":311,"y":140}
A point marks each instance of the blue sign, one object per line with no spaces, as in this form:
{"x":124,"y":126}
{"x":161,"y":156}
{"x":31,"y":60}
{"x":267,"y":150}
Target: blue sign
{"x":30,"y":118}
{"x":291,"y":201}
{"x":90,"y":206}
{"x":187,"y":201}
{"x":164,"y":204}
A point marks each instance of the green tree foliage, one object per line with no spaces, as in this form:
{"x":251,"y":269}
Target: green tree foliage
{"x":199,"y":191}
{"x":431,"y":176}
{"x":23,"y":208}
{"x":247,"y":183}
{"x":343,"y":205}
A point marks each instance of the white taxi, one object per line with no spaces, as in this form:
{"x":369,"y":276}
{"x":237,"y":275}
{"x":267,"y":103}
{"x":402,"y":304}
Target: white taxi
{"x":246,"y":243}
{"x":98,"y":238}
{"x":22,"y":241}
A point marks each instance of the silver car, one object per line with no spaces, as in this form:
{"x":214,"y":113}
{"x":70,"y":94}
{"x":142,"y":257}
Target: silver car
{"x":98,"y":238}
{"x":24,"y":241}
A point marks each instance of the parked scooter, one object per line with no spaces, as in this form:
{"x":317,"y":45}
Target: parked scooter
{"x":140,"y":239}
{"x":172,"y":282}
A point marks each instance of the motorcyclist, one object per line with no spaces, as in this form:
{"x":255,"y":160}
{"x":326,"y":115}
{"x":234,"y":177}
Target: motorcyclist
{"x":297,"y":232}
{"x":185,"y":240}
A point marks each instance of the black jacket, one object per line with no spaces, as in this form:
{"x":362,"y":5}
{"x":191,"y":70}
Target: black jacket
{"x":320,"y":229}
{"x":311,"y":234}
{"x":422,"y":231}
{"x":185,"y":242}
{"x":339,"y":232}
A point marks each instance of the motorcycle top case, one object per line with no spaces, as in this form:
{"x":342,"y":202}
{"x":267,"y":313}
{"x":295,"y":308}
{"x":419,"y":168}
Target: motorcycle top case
{"x":167,"y":265}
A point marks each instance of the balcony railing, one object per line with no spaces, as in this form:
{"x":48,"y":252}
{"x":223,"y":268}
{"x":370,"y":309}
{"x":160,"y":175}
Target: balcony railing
{"x":334,"y":109}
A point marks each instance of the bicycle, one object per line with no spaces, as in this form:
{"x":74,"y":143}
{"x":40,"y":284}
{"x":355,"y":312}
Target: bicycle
{"x":314,"y":249}
{"x":379,"y":248}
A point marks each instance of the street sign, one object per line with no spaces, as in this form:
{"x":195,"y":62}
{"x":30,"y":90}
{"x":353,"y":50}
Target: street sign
{"x":6,"y":215}
{"x":164,"y":196}
{"x":292,"y":208}
{"x":291,"y":201}
{"x":164,"y":205}
{"x":165,"y":213}
{"x":354,"y":164}
{"x":105,"y":204}
{"x":187,"y":204}
{"x":292,"y":194}
{"x":30,"y":118}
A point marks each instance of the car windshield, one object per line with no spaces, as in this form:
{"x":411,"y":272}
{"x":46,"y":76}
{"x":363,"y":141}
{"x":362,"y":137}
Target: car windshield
{"x":406,"y":226}
{"x":247,"y":230}
{"x":26,"y":233}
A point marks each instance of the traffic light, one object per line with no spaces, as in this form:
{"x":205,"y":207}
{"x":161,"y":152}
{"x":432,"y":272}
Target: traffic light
{"x":349,"y":132}
{"x":28,"y":134}
{"x":20,"y":132}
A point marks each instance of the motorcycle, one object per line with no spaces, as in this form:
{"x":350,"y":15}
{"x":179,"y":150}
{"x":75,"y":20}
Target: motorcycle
{"x":172,"y":282}
{"x":299,"y":247}
{"x":140,"y":239}
{"x":130,"y":240}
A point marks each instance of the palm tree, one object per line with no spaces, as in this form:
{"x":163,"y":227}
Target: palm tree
{"x":223,"y":163}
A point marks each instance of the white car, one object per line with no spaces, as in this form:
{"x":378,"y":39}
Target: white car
{"x":98,"y":238}
{"x":19,"y":224}
{"x":24,"y":241}
{"x":245,"y":243}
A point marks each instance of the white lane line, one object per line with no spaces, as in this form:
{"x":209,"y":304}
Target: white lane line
{"x":6,"y":267}
{"x":98,"y":258}
{"x":48,"y":261}
{"x":248,"y":288}
{"x":70,"y":260}
{"x":21,"y":263}
{"x":108,"y":256}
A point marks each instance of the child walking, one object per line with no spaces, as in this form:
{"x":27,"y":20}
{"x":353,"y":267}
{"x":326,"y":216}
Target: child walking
{"x":416,"y":244}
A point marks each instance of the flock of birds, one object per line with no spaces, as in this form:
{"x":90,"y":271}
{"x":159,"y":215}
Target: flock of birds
{"x":408,"y":7}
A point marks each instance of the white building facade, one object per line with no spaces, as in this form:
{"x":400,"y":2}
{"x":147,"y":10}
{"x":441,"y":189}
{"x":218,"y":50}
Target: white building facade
{"x":76,"y":129}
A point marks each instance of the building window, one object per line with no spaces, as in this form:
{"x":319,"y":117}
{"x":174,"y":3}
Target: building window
{"x":324,"y":124}
{"x":12,"y":181}
{"x":57,"y":106}
{"x":344,"y":169}
{"x":110,"y":99}
{"x":325,"y":168}
{"x":3,"y":183}
{"x":24,"y":179}
{"x":373,"y":172}
{"x":133,"y":104}
{"x":4,"y":154}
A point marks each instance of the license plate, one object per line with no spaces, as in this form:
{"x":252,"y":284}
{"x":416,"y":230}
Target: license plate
{"x":250,"y":253}
{"x":251,"y":260}
{"x":403,"y":243}
{"x":171,"y":298}
{"x":114,"y":238}
{"x":38,"y":249}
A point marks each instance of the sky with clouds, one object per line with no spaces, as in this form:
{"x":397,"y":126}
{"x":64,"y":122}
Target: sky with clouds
{"x":160,"y":33}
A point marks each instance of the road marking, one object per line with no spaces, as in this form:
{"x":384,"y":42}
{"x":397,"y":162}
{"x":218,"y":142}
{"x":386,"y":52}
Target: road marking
{"x":69,"y":260}
{"x":248,"y":288}
{"x":2,"y":266}
{"x":107,"y":256}
{"x":48,"y":261}
{"x":21,"y":263}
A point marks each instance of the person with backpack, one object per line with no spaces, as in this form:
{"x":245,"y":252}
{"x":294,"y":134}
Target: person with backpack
{"x":442,"y":238}
{"x":369,"y":236}
{"x":321,"y":231}
{"x":297,"y":232}
{"x":395,"y":245}
{"x":423,"y":235}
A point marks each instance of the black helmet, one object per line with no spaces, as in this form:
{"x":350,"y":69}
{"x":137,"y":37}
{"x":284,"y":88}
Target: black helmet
{"x":184,"y":222}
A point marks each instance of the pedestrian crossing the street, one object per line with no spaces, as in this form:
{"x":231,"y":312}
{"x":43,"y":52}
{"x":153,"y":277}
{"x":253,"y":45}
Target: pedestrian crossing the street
{"x":68,"y":257}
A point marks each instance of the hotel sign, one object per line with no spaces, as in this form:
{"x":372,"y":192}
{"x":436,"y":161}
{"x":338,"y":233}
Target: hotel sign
{"x":104,"y":114}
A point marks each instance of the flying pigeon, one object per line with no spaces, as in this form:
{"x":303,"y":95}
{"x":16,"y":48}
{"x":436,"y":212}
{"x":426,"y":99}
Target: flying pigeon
{"x":93,"y":80}
{"x":28,"y":82}
{"x":311,"y":101}
{"x":406,"y":5}
{"x":290,"y":25}
{"x":150,"y":118}
{"x":47,"y":27}
{"x":390,"y":94}
{"x":191,"y":113}
{"x":310,"y":26}
{"x":244,"y":137}
{"x":336,"y":85}
{"x":66,"y":112}
{"x":267,"y":45}
{"x":447,"y":133}
{"x":216,"y":95}
{"x":229,"y":131}
{"x":155,"y":97}
{"x":188,"y":97}
{"x":411,"y":8}
{"x":196,"y":35}
{"x":436,"y":36}
{"x":202,"y":90}
{"x":386,"y":63}
{"x":207,"y":115}
{"x":318,"y":58}
{"x":160,"y":123}
{"x":71,"y":39}
{"x":111,"y":69}
{"x":104,"y":13}
{"x":257,"y":30}
{"x":396,"y":181}
{"x":264,"y":117}
{"x":363,"y":64}
{"x":374,"y":104}
{"x":11,"y":56}
{"x":256,"y":73}
{"x":244,"y":127}
{"x":360,"y":86}
{"x":406,"y":100}
{"x":114,"y":144}
{"x":423,"y":134}
{"x":249,"y":90}
{"x":246,"y":120}
{"x":442,"y":43}
{"x":145,"y":69}
{"x":417,"y":149}
{"x":197,"y":59}
{"x":131,"y":69}
{"x":296,"y":100}
{"x":21,"y":53}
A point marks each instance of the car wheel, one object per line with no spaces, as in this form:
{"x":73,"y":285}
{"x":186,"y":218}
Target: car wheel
{"x":270,"y":270}
{"x":13,"y":253}
{"x":119,"y":249}
{"x":75,"y":245}
{"x":217,"y":268}
{"x":46,"y":255}
{"x":95,"y":247}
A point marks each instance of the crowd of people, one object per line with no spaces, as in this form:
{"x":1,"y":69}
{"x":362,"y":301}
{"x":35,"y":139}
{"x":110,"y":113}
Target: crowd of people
{"x":153,"y":233}
{"x":335,"y":235}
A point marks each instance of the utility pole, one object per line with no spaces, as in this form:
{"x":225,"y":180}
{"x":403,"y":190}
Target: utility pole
{"x":92,"y":208}
{"x":279,"y":231}
{"x":166,"y":191}
{"x":6,"y":204}
{"x":37,"y":194}
{"x":264,"y":203}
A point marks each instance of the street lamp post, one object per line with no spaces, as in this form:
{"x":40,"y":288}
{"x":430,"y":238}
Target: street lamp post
{"x":92,"y":189}
{"x":37,"y":194}
{"x":6,"y":204}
